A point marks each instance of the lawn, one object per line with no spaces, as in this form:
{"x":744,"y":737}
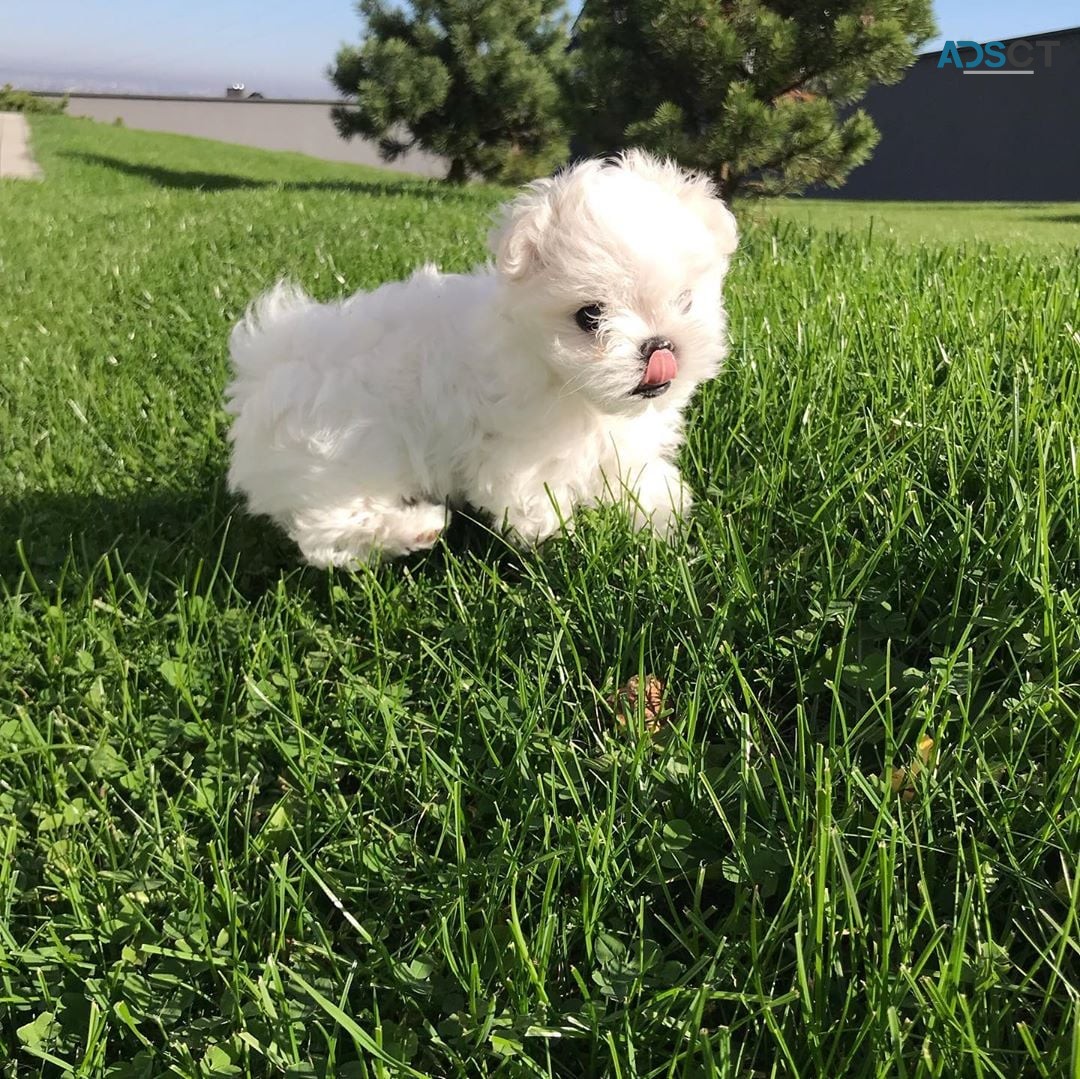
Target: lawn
{"x":258,"y":819}
{"x":1034,"y":228}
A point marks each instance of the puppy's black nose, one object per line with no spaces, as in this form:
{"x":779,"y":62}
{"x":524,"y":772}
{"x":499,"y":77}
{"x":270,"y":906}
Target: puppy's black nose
{"x":652,"y":344}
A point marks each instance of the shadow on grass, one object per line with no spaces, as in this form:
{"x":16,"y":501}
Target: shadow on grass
{"x":185,"y":537}
{"x":156,"y":533}
{"x":183,"y":180}
{"x":1057,"y":219}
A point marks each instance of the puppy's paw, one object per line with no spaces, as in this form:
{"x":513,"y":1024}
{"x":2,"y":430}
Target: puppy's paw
{"x":348,"y":558}
{"x":426,"y":539}
{"x":367,"y":531}
{"x":414,"y":528}
{"x":541,"y":522}
{"x":660,"y":500}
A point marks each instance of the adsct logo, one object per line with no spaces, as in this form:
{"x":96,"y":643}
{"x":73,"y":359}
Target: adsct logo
{"x":1019,"y":57}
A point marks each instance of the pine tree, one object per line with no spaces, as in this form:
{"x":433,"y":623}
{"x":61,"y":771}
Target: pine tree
{"x":752,"y":92}
{"x":474,"y":81}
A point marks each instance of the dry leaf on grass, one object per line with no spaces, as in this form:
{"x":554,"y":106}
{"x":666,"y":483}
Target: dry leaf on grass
{"x":902,"y":780}
{"x":625,"y":701}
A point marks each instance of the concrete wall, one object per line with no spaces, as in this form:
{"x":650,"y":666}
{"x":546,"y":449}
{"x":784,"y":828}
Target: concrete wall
{"x":946,"y":135}
{"x":270,"y":124}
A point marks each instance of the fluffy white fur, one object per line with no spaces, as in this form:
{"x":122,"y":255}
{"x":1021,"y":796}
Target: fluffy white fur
{"x":357,"y":423}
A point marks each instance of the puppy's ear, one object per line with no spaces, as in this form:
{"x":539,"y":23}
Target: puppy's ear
{"x":516,"y":241}
{"x":719,"y":220}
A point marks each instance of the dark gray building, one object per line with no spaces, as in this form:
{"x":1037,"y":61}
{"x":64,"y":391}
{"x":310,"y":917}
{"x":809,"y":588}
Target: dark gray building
{"x":955,"y":136}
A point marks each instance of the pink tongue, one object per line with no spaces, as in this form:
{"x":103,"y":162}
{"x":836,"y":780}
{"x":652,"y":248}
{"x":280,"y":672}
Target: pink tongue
{"x":661,"y":368}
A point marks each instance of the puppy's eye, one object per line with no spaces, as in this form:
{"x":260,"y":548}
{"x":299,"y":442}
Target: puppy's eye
{"x":685,"y":301}
{"x":588,"y":318}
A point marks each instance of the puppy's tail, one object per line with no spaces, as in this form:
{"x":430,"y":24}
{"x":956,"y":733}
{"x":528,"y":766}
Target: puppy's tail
{"x":268,"y":319}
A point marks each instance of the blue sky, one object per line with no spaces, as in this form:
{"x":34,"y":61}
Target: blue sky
{"x":282,"y":48}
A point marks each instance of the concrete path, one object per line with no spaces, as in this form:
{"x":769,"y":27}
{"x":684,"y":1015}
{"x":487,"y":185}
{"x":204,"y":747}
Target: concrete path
{"x":15,"y":159}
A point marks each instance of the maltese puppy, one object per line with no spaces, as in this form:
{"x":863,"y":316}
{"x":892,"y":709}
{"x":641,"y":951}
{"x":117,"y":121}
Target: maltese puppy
{"x":552,"y":379}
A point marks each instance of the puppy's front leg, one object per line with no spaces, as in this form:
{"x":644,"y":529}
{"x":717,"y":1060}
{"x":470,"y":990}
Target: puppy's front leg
{"x":531,"y":515}
{"x":656,"y":496}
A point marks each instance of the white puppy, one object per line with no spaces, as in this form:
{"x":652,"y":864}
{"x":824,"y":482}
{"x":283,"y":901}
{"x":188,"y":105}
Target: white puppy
{"x":554,"y":379}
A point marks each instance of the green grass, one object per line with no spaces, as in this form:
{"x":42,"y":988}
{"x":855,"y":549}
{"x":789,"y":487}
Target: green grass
{"x":1030,"y":227}
{"x":262,"y":820}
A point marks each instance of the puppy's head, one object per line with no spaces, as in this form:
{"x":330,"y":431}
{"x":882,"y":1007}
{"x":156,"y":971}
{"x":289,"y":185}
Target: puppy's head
{"x":617,"y":267}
